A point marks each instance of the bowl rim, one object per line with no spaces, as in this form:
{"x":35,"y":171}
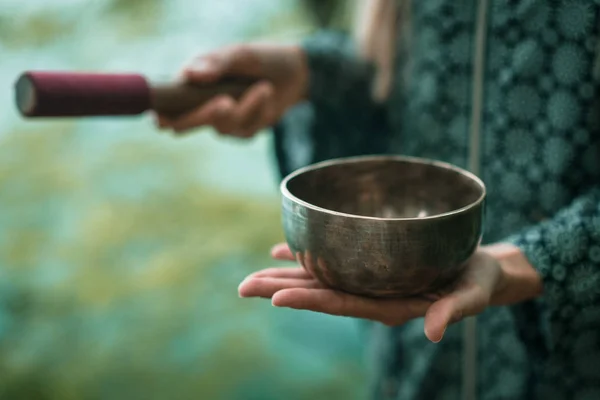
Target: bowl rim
{"x":348,"y":160}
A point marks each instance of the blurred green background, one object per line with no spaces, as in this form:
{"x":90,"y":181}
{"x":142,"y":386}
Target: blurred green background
{"x":121,"y":249}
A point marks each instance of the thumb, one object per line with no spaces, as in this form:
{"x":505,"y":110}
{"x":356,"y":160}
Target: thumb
{"x":282,"y":251}
{"x":453,"y":308}
{"x":243,"y":60}
{"x":204,"y":69}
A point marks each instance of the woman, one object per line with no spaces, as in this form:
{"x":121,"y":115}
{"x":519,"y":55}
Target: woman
{"x":508,"y":89}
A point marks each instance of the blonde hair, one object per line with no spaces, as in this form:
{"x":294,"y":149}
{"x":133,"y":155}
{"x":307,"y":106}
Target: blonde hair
{"x":375,"y":32}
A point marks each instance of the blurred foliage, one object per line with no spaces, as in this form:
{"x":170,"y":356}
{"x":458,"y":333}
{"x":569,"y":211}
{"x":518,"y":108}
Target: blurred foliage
{"x":34,"y":30}
{"x":138,"y":18}
{"x":129,"y":18}
{"x":135,"y":18}
{"x":294,"y":17}
{"x":121,"y":294}
{"x":311,"y":15}
{"x":132,"y":8}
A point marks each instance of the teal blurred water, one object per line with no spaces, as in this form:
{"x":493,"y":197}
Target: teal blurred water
{"x":121,"y":249}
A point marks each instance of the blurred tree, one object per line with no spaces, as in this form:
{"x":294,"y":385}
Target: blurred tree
{"x":35,"y":29}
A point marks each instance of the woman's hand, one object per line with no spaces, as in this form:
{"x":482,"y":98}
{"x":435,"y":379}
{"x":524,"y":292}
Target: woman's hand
{"x":496,"y":275}
{"x":282,"y":78}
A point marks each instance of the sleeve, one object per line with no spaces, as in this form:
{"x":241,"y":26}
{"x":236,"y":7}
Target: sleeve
{"x":339,"y":118}
{"x":338,"y":78}
{"x":565,"y":250}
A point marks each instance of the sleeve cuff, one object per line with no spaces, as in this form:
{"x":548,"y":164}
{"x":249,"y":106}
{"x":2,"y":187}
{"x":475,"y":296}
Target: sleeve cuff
{"x":530,"y":242}
{"x":336,"y":74}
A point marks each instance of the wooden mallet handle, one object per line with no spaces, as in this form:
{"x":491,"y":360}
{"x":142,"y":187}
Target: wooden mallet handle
{"x":76,"y":94}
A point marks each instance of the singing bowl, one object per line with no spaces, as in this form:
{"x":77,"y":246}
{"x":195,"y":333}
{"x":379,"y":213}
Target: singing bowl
{"x":383,"y":226}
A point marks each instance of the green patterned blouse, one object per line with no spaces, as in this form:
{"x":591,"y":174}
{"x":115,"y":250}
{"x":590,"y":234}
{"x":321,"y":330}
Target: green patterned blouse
{"x":538,"y":148}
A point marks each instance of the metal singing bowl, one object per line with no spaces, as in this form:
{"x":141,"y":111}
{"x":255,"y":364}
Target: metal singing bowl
{"x":383,"y":226}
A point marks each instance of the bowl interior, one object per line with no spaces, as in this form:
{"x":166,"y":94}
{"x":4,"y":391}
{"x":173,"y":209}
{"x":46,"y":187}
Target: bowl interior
{"x":386,"y":187}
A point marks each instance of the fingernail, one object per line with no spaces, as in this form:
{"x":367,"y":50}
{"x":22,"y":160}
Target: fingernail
{"x":274,"y":250}
{"x":276,"y":247}
{"x":201,"y":66}
{"x":241,"y":296}
{"x":441,"y":337}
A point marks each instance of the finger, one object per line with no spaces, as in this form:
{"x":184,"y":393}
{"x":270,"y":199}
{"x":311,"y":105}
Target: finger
{"x":453,"y":308}
{"x":202,"y":116}
{"x":282,"y":251}
{"x":248,"y":112}
{"x":242,"y":60}
{"x":267,"y":287}
{"x":236,"y":60}
{"x":389,"y":312}
{"x":161,"y":122}
{"x":204,"y":69}
{"x":224,"y":120}
{"x":306,"y":259}
{"x":255,"y":109}
{"x":283,"y":272}
{"x":432,"y":296}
